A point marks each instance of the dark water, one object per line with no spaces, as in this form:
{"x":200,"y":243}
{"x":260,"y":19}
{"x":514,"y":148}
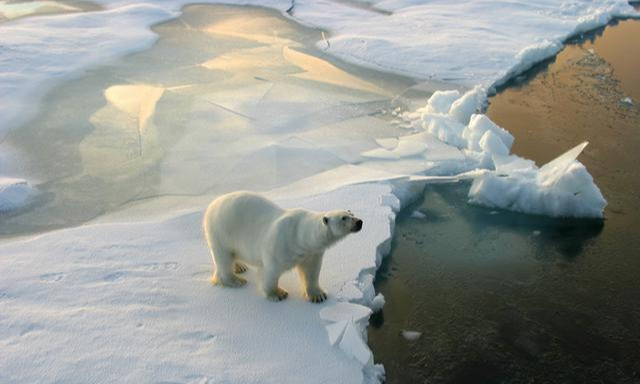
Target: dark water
{"x":502,"y":297}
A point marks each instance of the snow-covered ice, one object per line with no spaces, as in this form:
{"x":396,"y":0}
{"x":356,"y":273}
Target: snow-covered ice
{"x":127,"y":297}
{"x":131,"y":301}
{"x":562,"y":187}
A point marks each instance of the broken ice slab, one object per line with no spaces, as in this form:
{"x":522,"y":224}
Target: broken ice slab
{"x":553,"y":170}
{"x":561,"y":188}
{"x":335,"y":331}
{"x":353,"y":345}
{"x":345,"y":311}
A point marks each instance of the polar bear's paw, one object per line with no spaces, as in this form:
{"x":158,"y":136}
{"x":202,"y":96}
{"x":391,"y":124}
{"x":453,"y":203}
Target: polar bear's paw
{"x":279,"y":294}
{"x":241,"y":267}
{"x":316,"y":296}
{"x":232,"y":281}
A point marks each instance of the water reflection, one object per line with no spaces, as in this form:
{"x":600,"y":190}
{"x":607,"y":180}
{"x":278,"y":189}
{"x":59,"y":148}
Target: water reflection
{"x":500,"y":297}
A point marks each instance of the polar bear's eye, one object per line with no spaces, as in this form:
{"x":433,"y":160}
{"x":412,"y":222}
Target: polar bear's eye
{"x":344,"y":217}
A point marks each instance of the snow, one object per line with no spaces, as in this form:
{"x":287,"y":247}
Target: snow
{"x":14,"y":193}
{"x":131,"y":301}
{"x":127,"y":297}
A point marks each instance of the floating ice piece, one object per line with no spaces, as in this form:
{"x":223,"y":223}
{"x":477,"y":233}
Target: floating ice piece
{"x":418,"y":215}
{"x":345,"y":311}
{"x":553,"y":170}
{"x":377,"y":303}
{"x":14,"y":193}
{"x":411,"y":335}
{"x":561,"y":188}
{"x":353,"y":345}
{"x":627,"y":100}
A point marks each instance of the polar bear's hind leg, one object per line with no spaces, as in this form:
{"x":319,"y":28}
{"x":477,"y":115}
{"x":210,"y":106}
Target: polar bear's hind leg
{"x":225,"y":267}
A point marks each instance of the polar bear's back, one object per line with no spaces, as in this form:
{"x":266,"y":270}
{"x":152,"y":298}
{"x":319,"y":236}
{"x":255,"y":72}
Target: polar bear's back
{"x":239,"y":222}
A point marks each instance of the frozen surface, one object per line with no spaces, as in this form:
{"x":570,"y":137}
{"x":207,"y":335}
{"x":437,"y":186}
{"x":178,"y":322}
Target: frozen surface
{"x":409,"y":36}
{"x":132,"y":301}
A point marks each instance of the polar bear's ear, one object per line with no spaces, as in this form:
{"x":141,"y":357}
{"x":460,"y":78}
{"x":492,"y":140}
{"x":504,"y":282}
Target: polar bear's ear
{"x":325,"y":220}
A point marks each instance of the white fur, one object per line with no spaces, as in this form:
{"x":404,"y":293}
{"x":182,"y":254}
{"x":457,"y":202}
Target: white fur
{"x":246,"y":227}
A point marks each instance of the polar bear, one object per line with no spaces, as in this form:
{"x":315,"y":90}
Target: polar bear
{"x":244,"y":227}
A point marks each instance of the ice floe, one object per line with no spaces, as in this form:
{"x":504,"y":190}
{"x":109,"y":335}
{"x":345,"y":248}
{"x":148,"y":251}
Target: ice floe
{"x":560,"y":188}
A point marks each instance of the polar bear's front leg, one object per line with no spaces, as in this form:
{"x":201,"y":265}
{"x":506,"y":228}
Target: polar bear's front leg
{"x":270,"y":277}
{"x":309,"y":271}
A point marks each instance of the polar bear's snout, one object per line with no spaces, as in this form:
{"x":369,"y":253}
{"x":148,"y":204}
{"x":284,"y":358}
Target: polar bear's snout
{"x":357,"y":226}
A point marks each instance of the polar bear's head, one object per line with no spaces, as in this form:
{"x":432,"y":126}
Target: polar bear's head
{"x":341,"y":223}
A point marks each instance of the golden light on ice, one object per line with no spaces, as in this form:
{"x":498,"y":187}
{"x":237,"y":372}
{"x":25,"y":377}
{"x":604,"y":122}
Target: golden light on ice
{"x":138,"y":101}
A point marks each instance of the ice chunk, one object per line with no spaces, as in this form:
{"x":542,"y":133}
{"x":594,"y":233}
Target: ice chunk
{"x":440,"y":101}
{"x":470,"y":103}
{"x":491,"y":143}
{"x":411,"y":335}
{"x":508,"y":164}
{"x":345,"y":311}
{"x":14,"y":193}
{"x":377,"y":303}
{"x":478,"y":126}
{"x":444,"y":128}
{"x":554,"y":169}
{"x":335,"y":331}
{"x":418,"y":215}
{"x":627,"y":100}
{"x":561,"y":188}
{"x":353,"y":345}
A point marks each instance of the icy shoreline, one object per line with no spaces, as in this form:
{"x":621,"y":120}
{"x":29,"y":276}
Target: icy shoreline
{"x":92,"y":280}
